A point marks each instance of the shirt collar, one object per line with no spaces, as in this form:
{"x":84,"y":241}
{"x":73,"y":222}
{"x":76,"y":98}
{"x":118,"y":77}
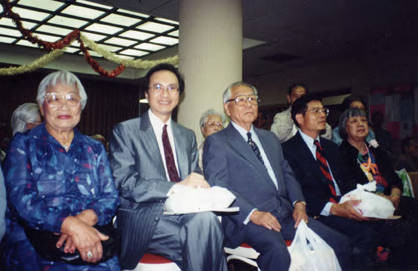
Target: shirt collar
{"x":242,"y":131}
{"x":156,"y":121}
{"x":308,"y":140}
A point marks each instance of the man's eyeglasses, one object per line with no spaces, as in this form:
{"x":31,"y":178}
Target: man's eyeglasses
{"x":57,"y":99}
{"x":158,"y":88}
{"x":243,"y":100}
{"x":319,"y":110}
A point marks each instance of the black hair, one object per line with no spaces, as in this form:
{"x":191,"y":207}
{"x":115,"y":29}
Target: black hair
{"x":164,"y":67}
{"x":301,"y":105}
{"x":294,"y":85}
{"x":353,"y":98}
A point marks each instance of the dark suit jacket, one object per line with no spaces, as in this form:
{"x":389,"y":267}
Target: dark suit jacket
{"x":140,"y":177}
{"x":229,"y":161}
{"x":349,"y":155}
{"x":306,"y":168}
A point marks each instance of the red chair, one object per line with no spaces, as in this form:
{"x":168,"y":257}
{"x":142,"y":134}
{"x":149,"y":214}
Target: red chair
{"x":154,"y":262}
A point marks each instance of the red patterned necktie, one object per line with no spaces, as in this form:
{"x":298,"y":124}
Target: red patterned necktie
{"x":323,"y":165}
{"x":169,"y":157}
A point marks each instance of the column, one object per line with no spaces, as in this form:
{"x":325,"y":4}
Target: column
{"x":210,"y":51}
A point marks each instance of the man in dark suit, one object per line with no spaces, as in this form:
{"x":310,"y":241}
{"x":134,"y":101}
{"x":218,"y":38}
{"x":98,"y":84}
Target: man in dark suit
{"x":320,"y":172}
{"x":249,"y":162}
{"x":150,"y":157}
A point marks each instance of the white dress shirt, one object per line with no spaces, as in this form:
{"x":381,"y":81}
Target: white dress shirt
{"x":312,"y":147}
{"x":157,"y":126}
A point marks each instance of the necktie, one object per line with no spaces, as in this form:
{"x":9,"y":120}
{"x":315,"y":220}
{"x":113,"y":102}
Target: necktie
{"x":323,"y":165}
{"x":254,"y":147}
{"x":169,"y":157}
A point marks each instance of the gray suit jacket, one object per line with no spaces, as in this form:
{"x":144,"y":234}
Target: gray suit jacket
{"x":140,"y":177}
{"x":230,"y":162}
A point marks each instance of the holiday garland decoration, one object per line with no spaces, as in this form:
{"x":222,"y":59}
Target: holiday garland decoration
{"x":56,"y":49}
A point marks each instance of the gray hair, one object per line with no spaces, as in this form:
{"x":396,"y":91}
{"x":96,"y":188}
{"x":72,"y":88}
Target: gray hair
{"x":207,"y":113}
{"x":23,"y":114}
{"x":349,"y":113}
{"x":63,"y":77}
{"x":227,"y":92}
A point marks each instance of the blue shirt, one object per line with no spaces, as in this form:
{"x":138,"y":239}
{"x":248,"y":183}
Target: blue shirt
{"x":45,"y":184}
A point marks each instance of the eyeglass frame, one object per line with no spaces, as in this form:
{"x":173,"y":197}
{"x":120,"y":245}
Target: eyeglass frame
{"x":215,"y":124}
{"x":248,"y":100}
{"x":171,"y":88}
{"x":64,"y":97}
{"x":317,"y":110}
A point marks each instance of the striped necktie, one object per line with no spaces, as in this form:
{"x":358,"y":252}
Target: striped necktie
{"x":323,"y":165}
{"x":169,"y":157}
{"x":254,"y":147}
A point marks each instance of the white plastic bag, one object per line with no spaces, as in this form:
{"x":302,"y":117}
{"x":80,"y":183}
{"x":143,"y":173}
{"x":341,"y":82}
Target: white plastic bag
{"x":310,"y":252}
{"x":371,"y":205}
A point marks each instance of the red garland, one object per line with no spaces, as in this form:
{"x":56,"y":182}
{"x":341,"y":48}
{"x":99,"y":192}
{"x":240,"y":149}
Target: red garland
{"x":63,"y":42}
{"x":96,"y":66}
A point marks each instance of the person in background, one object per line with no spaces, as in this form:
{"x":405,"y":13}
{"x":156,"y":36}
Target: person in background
{"x":368,"y":164}
{"x":210,"y":122}
{"x":283,"y":126}
{"x":408,"y":159}
{"x":354,"y":101}
{"x":25,"y":117}
{"x":58,"y":180}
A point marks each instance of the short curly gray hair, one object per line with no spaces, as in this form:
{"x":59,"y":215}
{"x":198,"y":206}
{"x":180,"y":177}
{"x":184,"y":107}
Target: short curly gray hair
{"x":207,"y":113}
{"x":349,"y":113}
{"x":63,"y":77}
{"x":23,"y":114}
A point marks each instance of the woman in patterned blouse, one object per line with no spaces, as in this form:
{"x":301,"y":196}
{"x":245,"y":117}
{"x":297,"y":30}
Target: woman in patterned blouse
{"x":58,"y":180}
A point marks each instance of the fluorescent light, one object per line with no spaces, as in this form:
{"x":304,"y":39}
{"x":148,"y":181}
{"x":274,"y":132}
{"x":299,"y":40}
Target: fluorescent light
{"x":174,"y":33}
{"x":120,"y":20}
{"x":120,"y":42}
{"x":165,"y":40}
{"x":69,"y":49}
{"x":94,"y":4}
{"x":30,"y":14}
{"x":143,"y":101}
{"x":133,"y":13}
{"x":133,"y":52}
{"x":54,"y":30}
{"x":10,"y":32}
{"x":27,"y":43}
{"x":42,"y":4}
{"x":84,"y":12}
{"x":94,"y":37}
{"x":249,"y":43}
{"x":149,"y":47}
{"x":61,"y":20}
{"x":9,"y":22}
{"x":138,"y":35}
{"x":110,"y":48}
{"x":166,"y":20}
{"x":154,"y":27}
{"x":6,"y":39}
{"x":47,"y":38}
{"x":103,"y":28}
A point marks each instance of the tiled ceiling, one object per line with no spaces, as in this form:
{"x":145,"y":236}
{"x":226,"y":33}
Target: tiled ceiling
{"x":126,"y":33}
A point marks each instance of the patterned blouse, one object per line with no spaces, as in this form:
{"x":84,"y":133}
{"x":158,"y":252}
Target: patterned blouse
{"x":45,"y":184}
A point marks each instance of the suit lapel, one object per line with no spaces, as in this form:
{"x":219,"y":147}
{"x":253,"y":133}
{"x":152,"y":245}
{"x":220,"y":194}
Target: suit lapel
{"x":149,"y":141}
{"x":238,"y":143}
{"x":270,"y":156}
{"x":180,"y":143}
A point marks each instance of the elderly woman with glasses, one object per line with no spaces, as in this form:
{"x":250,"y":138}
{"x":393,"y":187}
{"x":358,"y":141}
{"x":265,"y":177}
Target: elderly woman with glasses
{"x":210,"y":122}
{"x":368,"y":163}
{"x":59,"y":184}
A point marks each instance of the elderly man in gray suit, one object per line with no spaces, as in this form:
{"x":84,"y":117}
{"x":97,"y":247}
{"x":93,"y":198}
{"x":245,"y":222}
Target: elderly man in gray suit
{"x":150,"y":156}
{"x":249,"y":162}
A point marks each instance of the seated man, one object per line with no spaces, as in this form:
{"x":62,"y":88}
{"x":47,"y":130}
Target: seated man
{"x":283,"y":126}
{"x":320,"y":172}
{"x":210,"y":122}
{"x":150,"y":156}
{"x":249,"y":162}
